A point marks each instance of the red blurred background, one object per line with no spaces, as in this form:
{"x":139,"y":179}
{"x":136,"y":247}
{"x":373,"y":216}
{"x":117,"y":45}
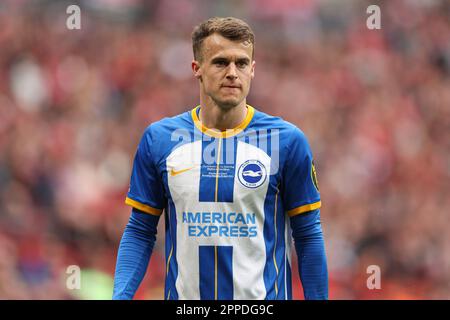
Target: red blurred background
{"x":375,"y":105}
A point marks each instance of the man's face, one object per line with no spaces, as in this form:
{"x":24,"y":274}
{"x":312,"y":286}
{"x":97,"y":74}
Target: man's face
{"x":225,"y":70}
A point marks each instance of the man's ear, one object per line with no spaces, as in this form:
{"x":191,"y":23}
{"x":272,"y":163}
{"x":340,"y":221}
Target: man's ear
{"x":196,"y":69}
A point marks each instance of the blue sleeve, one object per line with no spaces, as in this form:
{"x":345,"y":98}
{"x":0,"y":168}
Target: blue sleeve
{"x":134,"y":254}
{"x":146,"y":191}
{"x":312,"y":263}
{"x":299,"y":183}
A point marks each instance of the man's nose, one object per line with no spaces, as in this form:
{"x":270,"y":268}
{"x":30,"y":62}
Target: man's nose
{"x":231,"y":71}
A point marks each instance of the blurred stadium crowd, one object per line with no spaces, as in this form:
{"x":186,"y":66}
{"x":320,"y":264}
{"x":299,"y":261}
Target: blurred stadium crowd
{"x":375,"y":105}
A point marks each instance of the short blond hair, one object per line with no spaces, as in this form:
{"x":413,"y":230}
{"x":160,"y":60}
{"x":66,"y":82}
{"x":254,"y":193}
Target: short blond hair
{"x":231,"y":28}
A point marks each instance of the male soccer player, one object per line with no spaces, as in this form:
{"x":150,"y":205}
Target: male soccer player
{"x":234,"y":184}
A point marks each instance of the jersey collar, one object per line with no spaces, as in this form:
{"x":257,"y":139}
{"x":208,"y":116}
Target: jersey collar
{"x":223,"y":134}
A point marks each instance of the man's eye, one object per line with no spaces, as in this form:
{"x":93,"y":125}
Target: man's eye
{"x":220,"y":63}
{"x":242,"y":64}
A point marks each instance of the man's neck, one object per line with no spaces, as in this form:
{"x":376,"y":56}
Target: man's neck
{"x":214,"y":117}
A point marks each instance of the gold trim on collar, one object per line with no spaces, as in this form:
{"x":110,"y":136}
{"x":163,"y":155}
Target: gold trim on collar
{"x":227,"y":133}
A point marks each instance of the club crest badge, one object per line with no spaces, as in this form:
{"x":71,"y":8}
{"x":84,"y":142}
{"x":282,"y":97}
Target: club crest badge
{"x":314,"y":176}
{"x":252,"y":173}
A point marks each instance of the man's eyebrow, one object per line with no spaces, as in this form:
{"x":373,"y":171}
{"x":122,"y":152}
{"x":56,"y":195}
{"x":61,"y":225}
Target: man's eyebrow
{"x":223,"y":59}
{"x":219,"y":59}
{"x":243,"y":59}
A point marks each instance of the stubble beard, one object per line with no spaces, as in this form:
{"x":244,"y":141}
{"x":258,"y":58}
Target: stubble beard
{"x":227,"y":104}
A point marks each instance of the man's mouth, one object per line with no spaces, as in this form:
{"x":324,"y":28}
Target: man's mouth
{"x":234,"y":87}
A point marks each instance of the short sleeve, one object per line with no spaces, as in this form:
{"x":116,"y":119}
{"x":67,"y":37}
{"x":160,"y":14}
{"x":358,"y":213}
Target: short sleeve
{"x":146,"y":191}
{"x":300,"y":186}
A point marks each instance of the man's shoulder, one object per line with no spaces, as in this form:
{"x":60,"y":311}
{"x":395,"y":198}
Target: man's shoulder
{"x":266,"y":121}
{"x":167,"y":125}
{"x":287,"y":134}
{"x":164,"y":134}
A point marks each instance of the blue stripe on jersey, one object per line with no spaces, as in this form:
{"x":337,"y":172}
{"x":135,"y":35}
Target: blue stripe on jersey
{"x":170,"y":291}
{"x":227,"y":168}
{"x":269,"y":236}
{"x":217,"y":170}
{"x":207,"y":272}
{"x":281,"y":257}
{"x":216,"y":272}
{"x":280,"y":254}
{"x":274,"y":238}
{"x":225,"y":276}
{"x":208,"y":169}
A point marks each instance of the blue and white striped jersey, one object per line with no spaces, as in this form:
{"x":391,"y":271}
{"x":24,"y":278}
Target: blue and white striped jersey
{"x":227,"y":198}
